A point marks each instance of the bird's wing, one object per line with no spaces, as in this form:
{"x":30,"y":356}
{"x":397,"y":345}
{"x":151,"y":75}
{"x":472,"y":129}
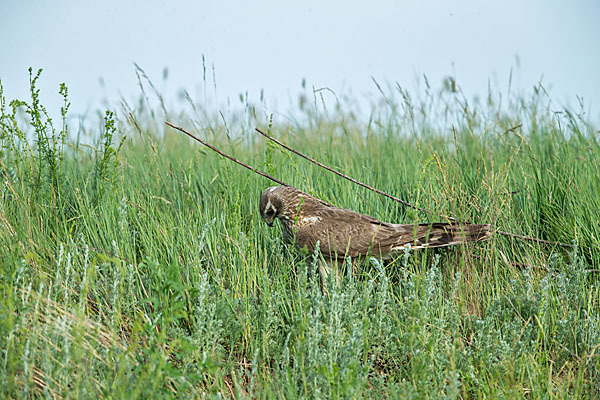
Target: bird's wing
{"x":345,"y":233}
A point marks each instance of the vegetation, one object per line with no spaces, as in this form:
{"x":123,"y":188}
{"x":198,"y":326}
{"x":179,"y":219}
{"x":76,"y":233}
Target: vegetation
{"x":138,"y":266}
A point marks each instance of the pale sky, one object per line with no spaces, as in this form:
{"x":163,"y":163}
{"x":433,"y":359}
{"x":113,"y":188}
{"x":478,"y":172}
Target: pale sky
{"x":274,"y":44}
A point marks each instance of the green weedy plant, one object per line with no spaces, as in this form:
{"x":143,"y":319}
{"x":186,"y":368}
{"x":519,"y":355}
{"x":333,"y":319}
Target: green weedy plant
{"x":106,"y":164}
{"x":40,"y":168}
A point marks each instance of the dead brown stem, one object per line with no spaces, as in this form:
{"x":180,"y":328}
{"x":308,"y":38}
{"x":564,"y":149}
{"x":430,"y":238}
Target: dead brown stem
{"x":500,"y":232}
{"x":350,"y":178}
{"x":226,"y":155}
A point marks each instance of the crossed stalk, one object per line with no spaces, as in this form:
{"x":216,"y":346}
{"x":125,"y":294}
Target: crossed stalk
{"x":404,"y":203}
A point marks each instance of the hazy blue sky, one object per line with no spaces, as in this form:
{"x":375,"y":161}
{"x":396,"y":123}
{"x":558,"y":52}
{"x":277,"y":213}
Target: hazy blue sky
{"x":272,"y":45}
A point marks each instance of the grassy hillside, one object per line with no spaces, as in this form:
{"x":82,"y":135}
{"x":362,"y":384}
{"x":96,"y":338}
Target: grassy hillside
{"x":138,"y":267}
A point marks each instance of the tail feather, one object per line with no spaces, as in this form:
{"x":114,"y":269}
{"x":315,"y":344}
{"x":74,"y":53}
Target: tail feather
{"x":444,"y":234}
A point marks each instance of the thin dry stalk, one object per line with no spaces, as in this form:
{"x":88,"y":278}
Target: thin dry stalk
{"x":226,"y":155}
{"x":255,"y":170}
{"x":532,"y":239}
{"x":407,"y":204}
{"x":348,"y":177}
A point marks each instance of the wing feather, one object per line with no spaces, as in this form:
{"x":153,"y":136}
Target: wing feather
{"x":346,"y":233}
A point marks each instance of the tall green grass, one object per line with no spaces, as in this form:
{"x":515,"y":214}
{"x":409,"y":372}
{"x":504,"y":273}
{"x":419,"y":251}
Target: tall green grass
{"x":138,"y":267}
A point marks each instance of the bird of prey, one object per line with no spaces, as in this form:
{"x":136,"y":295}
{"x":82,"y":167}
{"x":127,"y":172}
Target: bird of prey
{"x":342,"y":233}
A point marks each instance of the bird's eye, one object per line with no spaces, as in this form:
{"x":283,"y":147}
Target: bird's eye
{"x":270,"y":212}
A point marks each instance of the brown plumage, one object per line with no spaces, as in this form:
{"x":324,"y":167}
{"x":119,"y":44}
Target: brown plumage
{"x":344,"y":233}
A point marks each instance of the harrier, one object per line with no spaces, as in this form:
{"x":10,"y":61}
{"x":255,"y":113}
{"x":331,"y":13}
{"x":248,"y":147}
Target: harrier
{"x":342,"y":233}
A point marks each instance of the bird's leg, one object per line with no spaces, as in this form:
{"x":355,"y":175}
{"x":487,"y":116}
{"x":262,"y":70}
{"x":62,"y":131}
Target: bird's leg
{"x":314,"y":264}
{"x":353,"y":265}
{"x":326,"y":267}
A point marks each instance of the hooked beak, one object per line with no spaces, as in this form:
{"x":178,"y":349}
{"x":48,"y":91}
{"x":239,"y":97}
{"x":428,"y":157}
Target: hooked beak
{"x":269,"y":221}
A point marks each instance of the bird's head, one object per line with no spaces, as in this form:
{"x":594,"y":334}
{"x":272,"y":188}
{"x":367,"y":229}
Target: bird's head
{"x":271,"y":204}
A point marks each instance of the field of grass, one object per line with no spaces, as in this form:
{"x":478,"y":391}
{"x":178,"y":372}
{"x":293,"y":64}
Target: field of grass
{"x":138,"y":267}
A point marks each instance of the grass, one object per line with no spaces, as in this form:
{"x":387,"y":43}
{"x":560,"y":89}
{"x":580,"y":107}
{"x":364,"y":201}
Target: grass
{"x":139,"y":267}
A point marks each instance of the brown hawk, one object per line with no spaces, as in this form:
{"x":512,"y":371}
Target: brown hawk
{"x":344,"y":233}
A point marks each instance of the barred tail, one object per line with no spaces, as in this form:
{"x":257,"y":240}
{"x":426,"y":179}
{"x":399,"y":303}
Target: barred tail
{"x":444,"y":234}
